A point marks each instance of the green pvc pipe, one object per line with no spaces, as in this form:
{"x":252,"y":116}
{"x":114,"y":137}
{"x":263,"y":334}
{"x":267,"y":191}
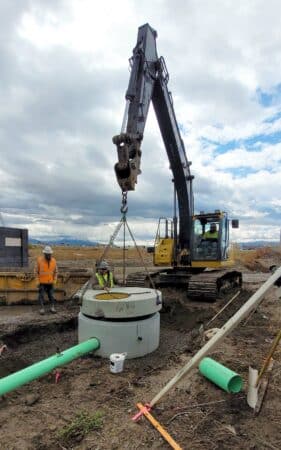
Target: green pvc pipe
{"x":30,"y":373}
{"x":220,"y":375}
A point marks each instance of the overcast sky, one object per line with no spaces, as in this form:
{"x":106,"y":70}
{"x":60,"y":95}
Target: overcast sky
{"x":64,"y":73}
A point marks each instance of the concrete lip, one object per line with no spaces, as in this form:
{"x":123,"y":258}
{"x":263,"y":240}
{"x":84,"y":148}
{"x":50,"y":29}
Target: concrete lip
{"x":121,"y":302}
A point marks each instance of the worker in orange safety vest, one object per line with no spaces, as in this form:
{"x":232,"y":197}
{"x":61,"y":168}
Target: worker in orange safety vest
{"x":47,"y":272}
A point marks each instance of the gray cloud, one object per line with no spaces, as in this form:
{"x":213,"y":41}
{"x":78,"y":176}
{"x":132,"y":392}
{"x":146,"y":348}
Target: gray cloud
{"x":61,"y":104}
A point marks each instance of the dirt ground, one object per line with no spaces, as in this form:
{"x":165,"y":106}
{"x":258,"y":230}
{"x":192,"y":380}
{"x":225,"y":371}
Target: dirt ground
{"x":196,"y":413}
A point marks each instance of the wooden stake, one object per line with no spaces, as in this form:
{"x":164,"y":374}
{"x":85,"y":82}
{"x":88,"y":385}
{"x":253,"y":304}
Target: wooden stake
{"x":263,"y":387}
{"x":269,"y":356}
{"x":221,"y":310}
{"x":159,"y":427}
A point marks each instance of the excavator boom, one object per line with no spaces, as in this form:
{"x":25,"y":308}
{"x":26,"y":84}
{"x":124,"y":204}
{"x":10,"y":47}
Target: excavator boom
{"x":149,"y":82}
{"x":188,"y":250}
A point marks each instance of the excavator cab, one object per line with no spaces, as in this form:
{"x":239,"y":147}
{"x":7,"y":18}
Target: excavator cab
{"x":210,"y":243}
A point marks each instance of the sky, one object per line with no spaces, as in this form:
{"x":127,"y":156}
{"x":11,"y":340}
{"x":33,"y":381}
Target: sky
{"x":64,"y":72}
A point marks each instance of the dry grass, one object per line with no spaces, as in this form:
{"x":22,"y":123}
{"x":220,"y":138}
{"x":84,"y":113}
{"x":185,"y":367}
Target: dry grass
{"x":81,"y":425}
{"x":63,"y":253}
{"x":252,"y":258}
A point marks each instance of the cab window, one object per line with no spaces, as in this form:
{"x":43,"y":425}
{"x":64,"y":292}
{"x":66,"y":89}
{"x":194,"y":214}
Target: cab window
{"x":205,"y":239}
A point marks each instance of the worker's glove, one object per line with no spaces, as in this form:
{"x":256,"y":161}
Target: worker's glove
{"x":77,"y":299}
{"x":3,"y":348}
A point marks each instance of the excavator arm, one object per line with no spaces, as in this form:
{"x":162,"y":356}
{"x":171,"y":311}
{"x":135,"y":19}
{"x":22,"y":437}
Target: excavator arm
{"x":149,"y":82}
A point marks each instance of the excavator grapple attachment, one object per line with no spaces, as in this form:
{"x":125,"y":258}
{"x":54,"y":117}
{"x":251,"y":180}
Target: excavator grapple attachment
{"x":127,"y":168}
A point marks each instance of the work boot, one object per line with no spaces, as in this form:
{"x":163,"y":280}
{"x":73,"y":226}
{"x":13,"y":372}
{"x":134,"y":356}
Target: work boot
{"x":53,"y":309}
{"x":42,"y":311}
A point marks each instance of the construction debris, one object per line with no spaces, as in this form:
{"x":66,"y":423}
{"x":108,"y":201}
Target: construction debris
{"x":224,"y":331}
{"x":196,"y":414}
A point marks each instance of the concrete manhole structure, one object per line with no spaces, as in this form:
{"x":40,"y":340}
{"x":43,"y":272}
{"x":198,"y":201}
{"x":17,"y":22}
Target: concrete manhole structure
{"x":126,"y":320}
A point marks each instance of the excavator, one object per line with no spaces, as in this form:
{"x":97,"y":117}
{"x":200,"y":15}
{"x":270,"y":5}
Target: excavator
{"x":192,"y":249}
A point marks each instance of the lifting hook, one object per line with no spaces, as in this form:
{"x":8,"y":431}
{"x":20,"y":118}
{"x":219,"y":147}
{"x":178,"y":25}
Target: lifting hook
{"x":124,"y":206}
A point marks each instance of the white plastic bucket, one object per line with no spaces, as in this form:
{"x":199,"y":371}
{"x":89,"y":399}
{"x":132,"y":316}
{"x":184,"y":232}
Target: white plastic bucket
{"x":117,"y":362}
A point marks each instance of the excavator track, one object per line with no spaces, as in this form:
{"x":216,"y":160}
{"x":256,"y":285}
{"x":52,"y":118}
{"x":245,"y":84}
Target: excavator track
{"x":210,"y":285}
{"x":139,"y":279}
{"x":205,"y":286}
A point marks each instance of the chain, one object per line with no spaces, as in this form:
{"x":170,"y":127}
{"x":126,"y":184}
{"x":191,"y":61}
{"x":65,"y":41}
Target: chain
{"x":124,"y":210}
{"x":123,"y":222}
{"x":158,"y":300}
{"x":124,"y":205}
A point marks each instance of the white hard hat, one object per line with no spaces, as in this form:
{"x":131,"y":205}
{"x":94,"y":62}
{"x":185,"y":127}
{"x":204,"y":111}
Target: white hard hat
{"x":48,"y":250}
{"x":103,"y":265}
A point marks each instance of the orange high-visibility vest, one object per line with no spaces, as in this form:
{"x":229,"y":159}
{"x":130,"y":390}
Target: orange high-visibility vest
{"x":47,"y":270}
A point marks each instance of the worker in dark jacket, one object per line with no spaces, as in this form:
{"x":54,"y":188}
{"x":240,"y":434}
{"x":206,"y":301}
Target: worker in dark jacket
{"x":46,"y":272}
{"x":103,"y":278}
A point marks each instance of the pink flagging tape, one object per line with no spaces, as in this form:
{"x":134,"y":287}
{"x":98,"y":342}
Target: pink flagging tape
{"x":145,"y":409}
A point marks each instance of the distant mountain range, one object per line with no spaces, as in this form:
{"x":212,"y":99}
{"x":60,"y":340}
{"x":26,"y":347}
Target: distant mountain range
{"x":63,"y":240}
{"x":75,"y":242}
{"x":256,"y":244}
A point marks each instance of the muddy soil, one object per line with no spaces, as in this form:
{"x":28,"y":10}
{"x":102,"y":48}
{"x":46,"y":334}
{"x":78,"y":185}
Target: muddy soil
{"x":196,"y":413}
